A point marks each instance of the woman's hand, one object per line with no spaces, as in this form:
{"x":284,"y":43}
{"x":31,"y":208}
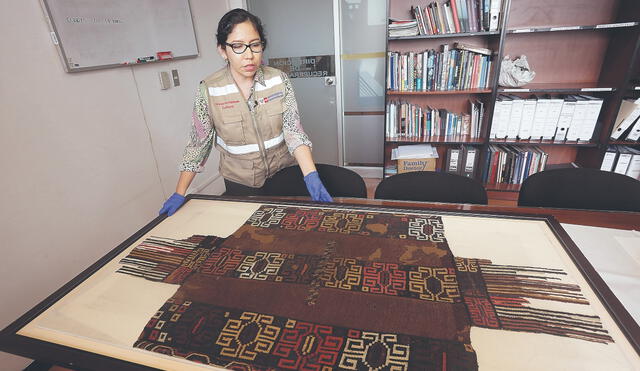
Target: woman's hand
{"x":172,"y":204}
{"x":316,"y":189}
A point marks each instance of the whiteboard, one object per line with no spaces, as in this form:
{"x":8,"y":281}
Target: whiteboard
{"x":93,"y":34}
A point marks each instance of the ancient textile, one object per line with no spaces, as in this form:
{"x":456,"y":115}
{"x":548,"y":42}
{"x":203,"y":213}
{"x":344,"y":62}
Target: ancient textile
{"x":321,"y":289}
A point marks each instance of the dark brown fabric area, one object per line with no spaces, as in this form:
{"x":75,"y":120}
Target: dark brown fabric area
{"x":334,"y":307}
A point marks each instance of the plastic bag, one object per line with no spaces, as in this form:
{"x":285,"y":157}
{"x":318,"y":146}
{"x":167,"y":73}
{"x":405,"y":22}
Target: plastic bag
{"x":515,"y":73}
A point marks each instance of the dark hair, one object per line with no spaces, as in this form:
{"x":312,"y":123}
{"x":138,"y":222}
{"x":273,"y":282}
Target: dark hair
{"x":234,"y":17}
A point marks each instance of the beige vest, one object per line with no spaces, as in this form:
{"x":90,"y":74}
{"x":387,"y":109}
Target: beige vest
{"x":251,"y":145}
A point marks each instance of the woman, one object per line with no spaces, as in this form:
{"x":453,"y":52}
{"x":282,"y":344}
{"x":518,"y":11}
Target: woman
{"x":249,"y":112}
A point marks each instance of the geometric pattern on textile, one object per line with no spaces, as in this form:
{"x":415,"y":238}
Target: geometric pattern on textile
{"x":360,"y":350}
{"x":261,"y":266}
{"x":481,"y":312}
{"x":244,"y":340}
{"x":426,"y":229}
{"x":341,"y":255}
{"x":435,"y":284}
{"x":397,"y":226}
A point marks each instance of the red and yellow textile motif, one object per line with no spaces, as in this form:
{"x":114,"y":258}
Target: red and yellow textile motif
{"x":307,"y":346}
{"x":383,"y":278}
{"x":320,"y":289}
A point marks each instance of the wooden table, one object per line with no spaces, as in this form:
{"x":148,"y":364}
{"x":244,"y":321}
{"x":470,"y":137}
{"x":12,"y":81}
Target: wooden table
{"x":608,"y":219}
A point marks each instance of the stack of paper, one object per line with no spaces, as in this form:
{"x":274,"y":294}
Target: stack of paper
{"x":414,"y":151}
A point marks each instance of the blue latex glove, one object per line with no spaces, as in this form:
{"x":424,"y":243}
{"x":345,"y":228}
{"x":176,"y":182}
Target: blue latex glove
{"x":172,"y":204}
{"x":316,"y":189}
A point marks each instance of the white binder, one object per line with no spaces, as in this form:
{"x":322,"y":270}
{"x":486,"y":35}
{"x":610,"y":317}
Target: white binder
{"x":528,"y":115}
{"x":505,"y":115}
{"x":515,"y":117}
{"x":591,"y":118}
{"x":628,"y":113}
{"x":609,"y":159}
{"x":566,"y":116}
{"x":624,"y":159}
{"x":539,"y":118}
{"x":634,"y":165}
{"x":634,"y":134}
{"x":579,"y":117}
{"x":494,"y":15}
{"x":553,"y":116}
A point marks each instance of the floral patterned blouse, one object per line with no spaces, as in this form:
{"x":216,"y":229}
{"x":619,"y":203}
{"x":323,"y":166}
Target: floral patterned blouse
{"x":202,"y":131}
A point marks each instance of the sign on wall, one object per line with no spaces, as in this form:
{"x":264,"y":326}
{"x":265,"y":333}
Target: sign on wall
{"x":304,"y":67}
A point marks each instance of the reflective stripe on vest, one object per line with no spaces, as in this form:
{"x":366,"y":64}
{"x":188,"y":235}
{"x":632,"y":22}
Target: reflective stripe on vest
{"x":248,"y":148}
{"x":268,"y":84}
{"x":222,"y":90}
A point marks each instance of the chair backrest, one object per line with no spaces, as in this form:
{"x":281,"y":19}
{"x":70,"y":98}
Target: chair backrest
{"x":581,"y":188}
{"x":432,"y":186}
{"x":338,"y":181}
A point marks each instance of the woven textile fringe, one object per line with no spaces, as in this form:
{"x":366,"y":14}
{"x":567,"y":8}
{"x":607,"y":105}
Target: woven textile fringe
{"x":508,"y":287}
{"x":156,"y":257}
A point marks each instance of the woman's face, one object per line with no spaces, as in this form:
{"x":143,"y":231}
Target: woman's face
{"x":246,"y":63}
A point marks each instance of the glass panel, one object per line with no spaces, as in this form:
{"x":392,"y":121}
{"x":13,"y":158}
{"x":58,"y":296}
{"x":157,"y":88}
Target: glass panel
{"x":291,"y":33}
{"x":363,"y":31}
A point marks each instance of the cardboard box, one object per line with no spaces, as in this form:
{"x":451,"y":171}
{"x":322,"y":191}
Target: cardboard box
{"x":416,"y":164}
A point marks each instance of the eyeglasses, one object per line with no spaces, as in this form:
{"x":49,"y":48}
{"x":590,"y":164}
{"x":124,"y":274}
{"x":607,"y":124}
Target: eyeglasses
{"x":240,"y":48}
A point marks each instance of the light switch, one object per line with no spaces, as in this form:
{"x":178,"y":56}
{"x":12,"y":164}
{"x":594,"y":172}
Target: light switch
{"x":165,"y":81}
{"x":176,"y":78}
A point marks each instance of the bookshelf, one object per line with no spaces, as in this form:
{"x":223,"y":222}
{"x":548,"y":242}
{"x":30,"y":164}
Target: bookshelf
{"x":578,"y":47}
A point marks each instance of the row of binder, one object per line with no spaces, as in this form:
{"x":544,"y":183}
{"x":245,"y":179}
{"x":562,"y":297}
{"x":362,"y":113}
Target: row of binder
{"x":627,"y":124}
{"x":512,"y":164}
{"x":571,"y":117}
{"x":462,"y":160}
{"x":450,"y":69}
{"x":406,"y":120}
{"x":622,"y":160}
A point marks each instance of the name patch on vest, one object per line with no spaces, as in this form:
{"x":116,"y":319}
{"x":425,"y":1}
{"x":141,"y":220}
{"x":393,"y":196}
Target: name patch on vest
{"x":228,"y":104}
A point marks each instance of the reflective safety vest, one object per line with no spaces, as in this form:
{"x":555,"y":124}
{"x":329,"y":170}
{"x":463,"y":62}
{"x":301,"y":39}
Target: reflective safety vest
{"x":251,"y":145}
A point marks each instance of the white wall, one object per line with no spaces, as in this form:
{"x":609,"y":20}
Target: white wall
{"x":86,"y":158}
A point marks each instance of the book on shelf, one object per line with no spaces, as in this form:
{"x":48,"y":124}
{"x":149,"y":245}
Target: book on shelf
{"x":512,"y":164}
{"x":472,"y":48}
{"x":411,"y":121}
{"x":399,"y":28}
{"x":628,"y":113}
{"x":431,"y":70}
{"x":451,"y":16}
{"x":571,"y":118}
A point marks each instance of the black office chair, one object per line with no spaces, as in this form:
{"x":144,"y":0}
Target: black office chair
{"x":338,"y":181}
{"x":432,"y":186}
{"x":581,"y":188}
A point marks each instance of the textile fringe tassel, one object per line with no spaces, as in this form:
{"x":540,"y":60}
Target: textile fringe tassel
{"x":509,"y":286}
{"x":316,"y":283}
{"x":157,"y":257}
